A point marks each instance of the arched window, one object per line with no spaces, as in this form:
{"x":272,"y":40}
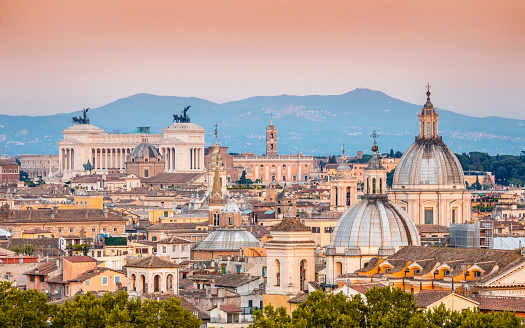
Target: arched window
{"x":302,"y":275}
{"x":380,"y":185}
{"x":367,"y":186}
{"x":374,"y":185}
{"x":133,"y":282}
{"x":428,"y":129}
{"x":156,"y":283}
{"x":347,"y":196}
{"x":277,"y":269}
{"x":271,"y":135}
{"x":434,"y":132}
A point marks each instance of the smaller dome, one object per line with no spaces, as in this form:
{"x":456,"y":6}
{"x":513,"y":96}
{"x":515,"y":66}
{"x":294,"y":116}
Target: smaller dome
{"x":344,"y":166}
{"x":144,"y":150}
{"x":375,"y":221}
{"x":228,"y":239}
{"x":231,"y":207}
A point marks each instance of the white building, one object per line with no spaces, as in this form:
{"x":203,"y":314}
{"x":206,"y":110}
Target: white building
{"x":180,"y":144}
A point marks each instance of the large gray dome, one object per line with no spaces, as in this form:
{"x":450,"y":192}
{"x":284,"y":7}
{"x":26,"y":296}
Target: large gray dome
{"x":428,"y":162}
{"x":228,"y":239}
{"x":144,"y":150}
{"x":374,"y":221}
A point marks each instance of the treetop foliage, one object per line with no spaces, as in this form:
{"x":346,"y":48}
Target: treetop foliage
{"x":384,"y":307}
{"x":30,"y":309}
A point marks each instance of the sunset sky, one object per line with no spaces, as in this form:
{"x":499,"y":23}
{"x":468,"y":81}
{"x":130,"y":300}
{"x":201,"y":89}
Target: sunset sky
{"x":60,"y":56}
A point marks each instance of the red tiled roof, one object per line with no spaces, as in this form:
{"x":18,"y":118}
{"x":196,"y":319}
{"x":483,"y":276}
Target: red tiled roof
{"x":230,"y":308}
{"x":290,"y":225}
{"x":76,"y":259}
{"x":43,"y":269}
{"x":430,"y":228}
{"x":174,"y":240}
{"x":500,"y":303}
{"x":426,"y":298}
{"x":152,"y":262}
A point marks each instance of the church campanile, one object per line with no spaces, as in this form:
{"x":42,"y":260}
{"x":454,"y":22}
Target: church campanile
{"x":271,"y":140}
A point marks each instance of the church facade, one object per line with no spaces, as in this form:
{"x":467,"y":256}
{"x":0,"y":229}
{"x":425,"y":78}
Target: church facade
{"x":181,"y":145}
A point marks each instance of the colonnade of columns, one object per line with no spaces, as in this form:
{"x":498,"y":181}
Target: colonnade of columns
{"x":196,"y":158}
{"x":169,"y":154}
{"x":106,"y":158}
{"x":67,"y":159}
{"x":103,"y":158}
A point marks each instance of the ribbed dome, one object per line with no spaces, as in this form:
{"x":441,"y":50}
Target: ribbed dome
{"x":228,"y":239}
{"x":144,"y":150}
{"x":374,"y":221}
{"x":428,"y":162}
{"x":231,"y":207}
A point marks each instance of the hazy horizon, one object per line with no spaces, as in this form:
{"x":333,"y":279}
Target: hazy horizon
{"x":60,"y":56}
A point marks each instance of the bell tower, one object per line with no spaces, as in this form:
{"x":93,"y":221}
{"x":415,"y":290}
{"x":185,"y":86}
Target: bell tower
{"x":428,"y":120}
{"x":271,"y":139}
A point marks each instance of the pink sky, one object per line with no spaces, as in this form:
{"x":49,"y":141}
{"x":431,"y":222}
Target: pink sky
{"x":63,"y":55}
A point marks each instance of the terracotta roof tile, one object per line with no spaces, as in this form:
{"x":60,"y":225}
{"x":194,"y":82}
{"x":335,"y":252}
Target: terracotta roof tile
{"x":300,"y":298}
{"x":152,"y":262}
{"x":230,"y":308}
{"x":500,"y":303}
{"x":426,"y":298}
{"x":77,"y":259}
{"x":43,"y":269}
{"x":429,"y":228}
{"x":290,"y":225}
{"x":174,"y":240}
{"x":234,"y":280}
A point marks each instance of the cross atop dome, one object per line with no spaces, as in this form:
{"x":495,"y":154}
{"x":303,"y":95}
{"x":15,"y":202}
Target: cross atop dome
{"x":428,"y":104}
{"x":374,"y":136}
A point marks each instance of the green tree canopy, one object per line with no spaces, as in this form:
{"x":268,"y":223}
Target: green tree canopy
{"x":384,"y":307}
{"x":119,"y":310}
{"x":25,"y":309}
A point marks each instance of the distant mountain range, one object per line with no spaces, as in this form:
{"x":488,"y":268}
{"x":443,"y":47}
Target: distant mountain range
{"x":316,"y":125}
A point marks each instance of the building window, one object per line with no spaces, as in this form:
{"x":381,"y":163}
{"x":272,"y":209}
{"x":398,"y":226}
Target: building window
{"x":328,"y":229}
{"x":71,"y":230}
{"x":93,"y":230}
{"x":117,"y":279}
{"x":175,"y":248}
{"x":146,"y":173}
{"x":316,"y":229}
{"x":32,"y":278}
{"x":446,"y":273}
{"x":477,"y":274}
{"x":154,"y":238}
{"x":429,"y":216}
{"x":163,"y":249}
{"x":183,"y":248}
{"x":87,"y":283}
{"x":264,"y":271}
{"x":104,"y":280}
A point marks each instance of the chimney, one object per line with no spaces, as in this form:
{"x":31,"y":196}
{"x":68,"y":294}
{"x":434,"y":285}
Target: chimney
{"x":106,"y":211}
{"x":86,"y":213}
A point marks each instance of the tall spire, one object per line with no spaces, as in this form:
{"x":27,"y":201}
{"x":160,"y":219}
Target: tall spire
{"x":216,"y":178}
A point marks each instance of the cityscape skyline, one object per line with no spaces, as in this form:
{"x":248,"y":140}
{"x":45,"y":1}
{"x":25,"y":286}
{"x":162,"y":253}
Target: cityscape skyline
{"x":62,"y":56}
